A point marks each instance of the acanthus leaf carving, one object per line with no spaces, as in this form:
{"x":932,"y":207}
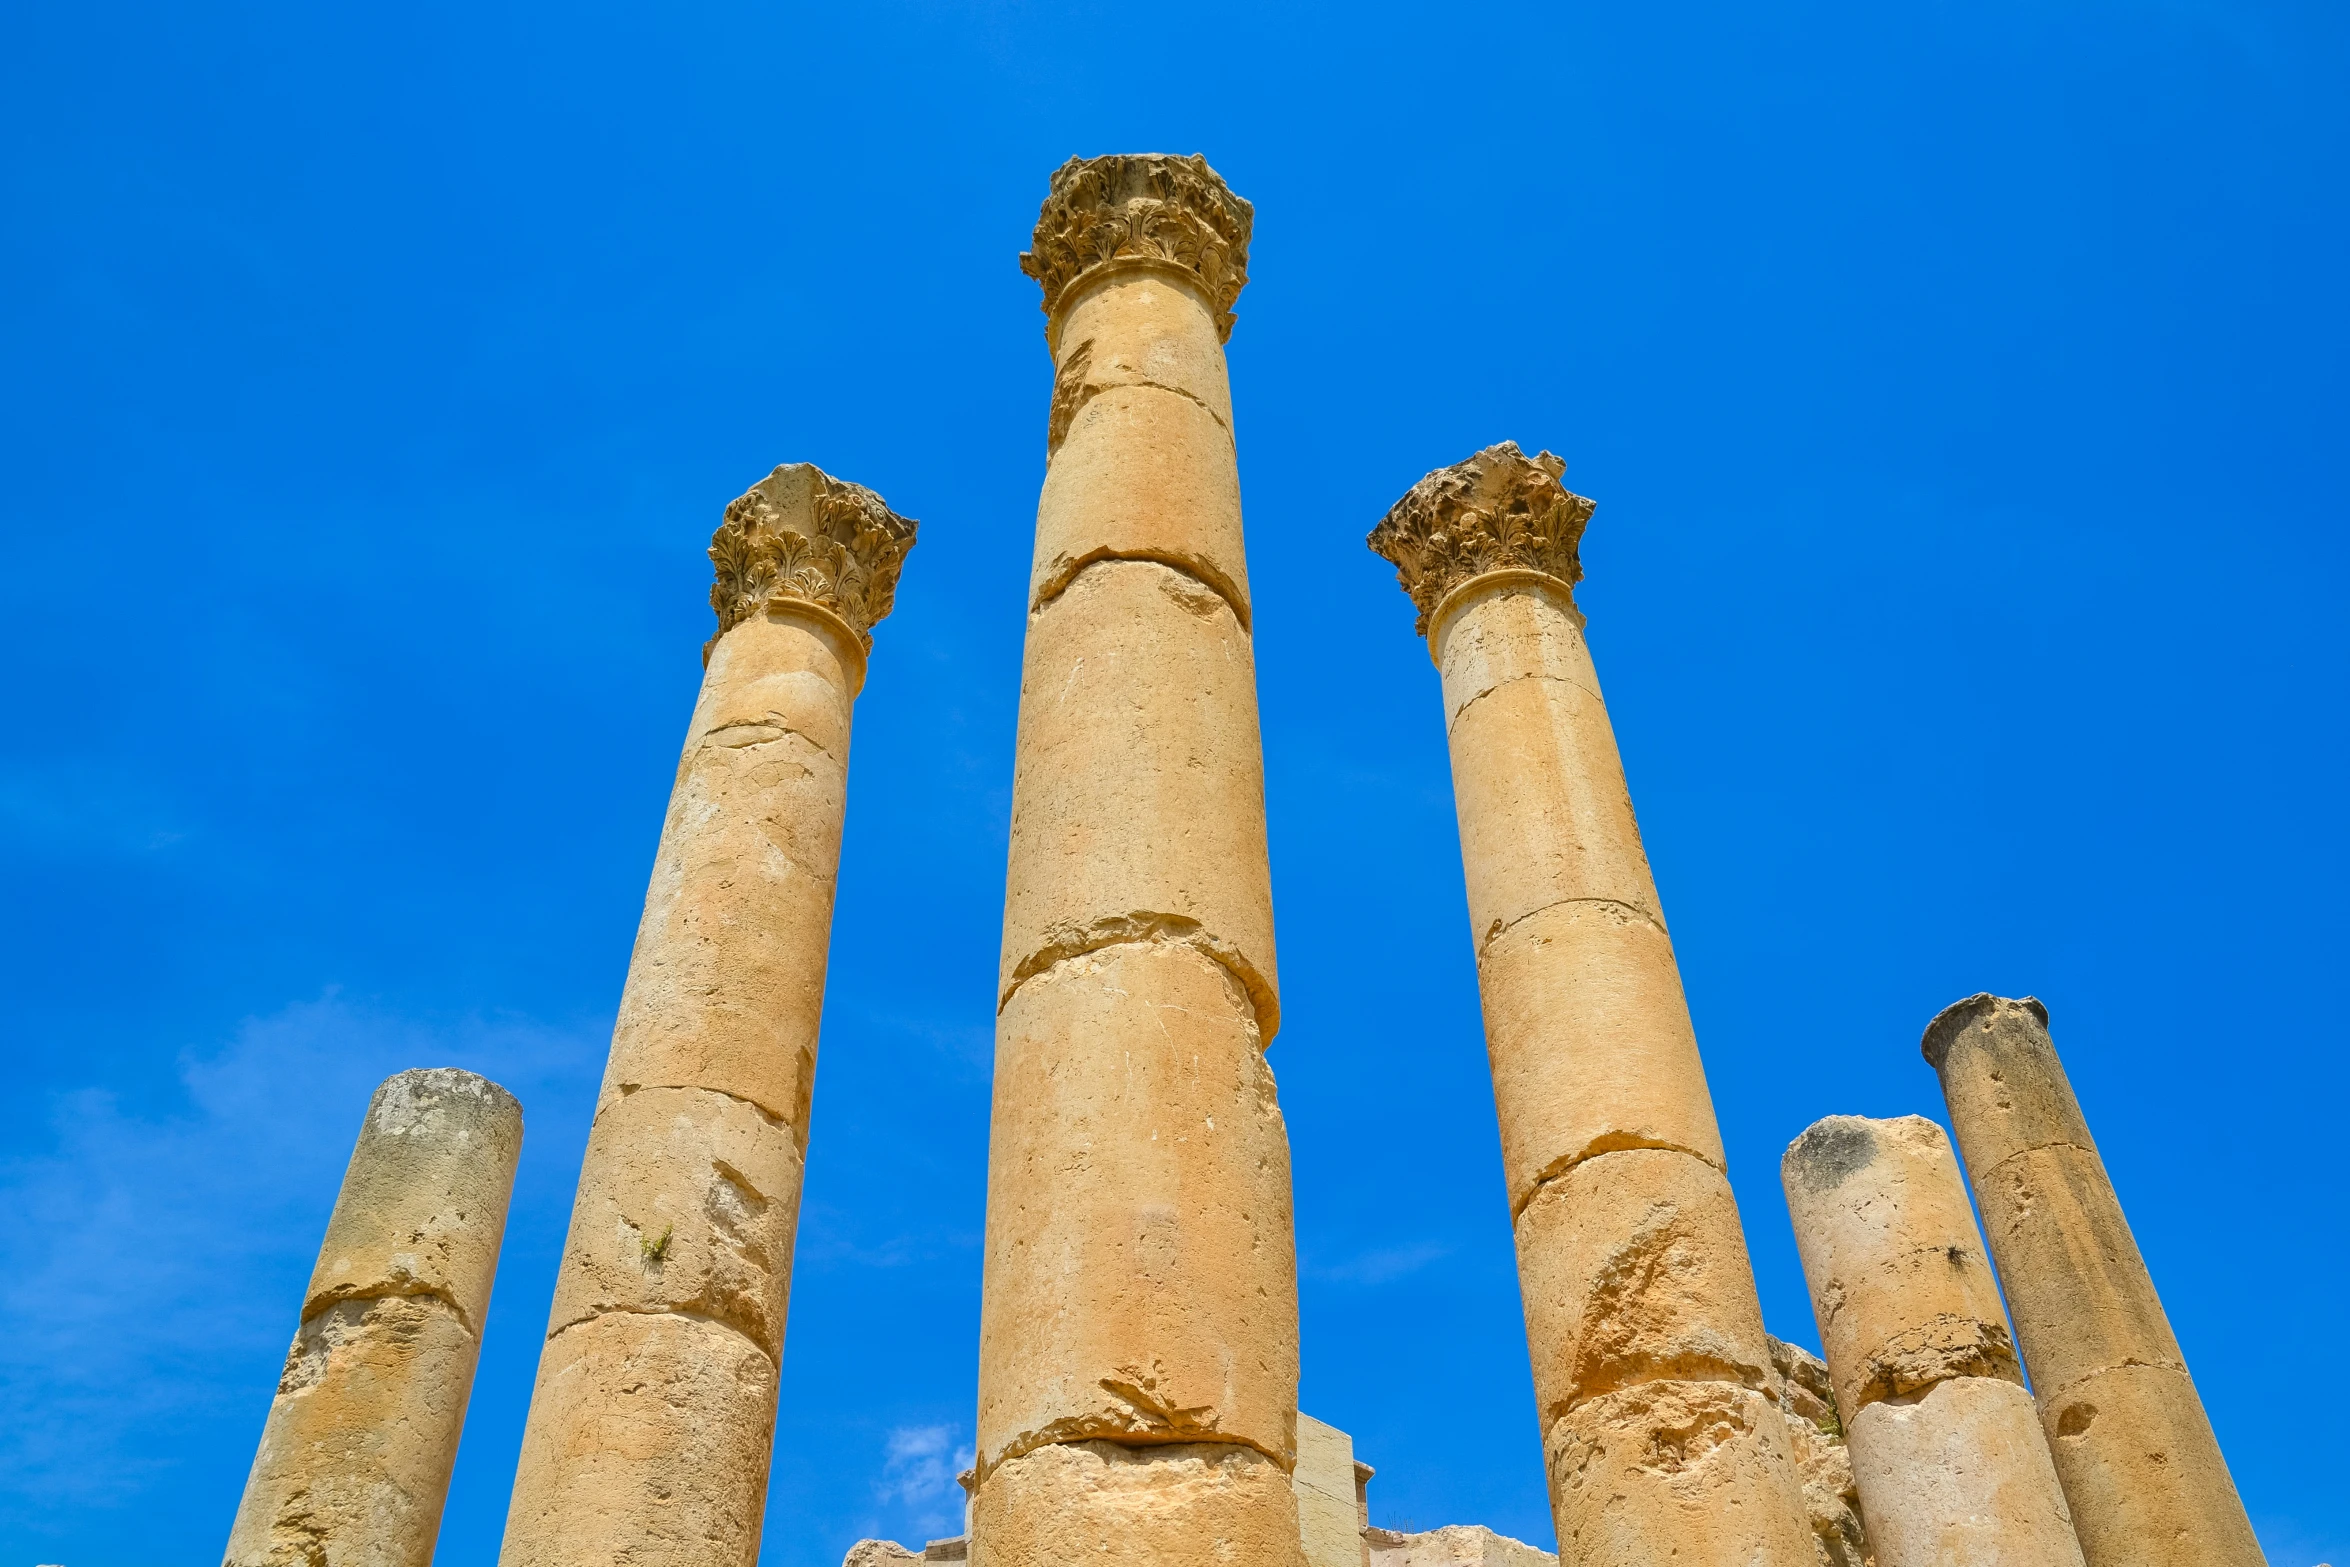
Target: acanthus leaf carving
{"x":1149,"y":207}
{"x":1498,"y":511}
{"x":800,"y":534}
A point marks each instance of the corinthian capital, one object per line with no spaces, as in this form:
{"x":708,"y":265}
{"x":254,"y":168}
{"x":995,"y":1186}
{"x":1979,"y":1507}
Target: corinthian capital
{"x":1499,"y":511}
{"x":1146,"y":209}
{"x":800,"y":535}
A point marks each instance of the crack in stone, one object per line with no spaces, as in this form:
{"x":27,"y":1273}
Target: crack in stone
{"x":1069,"y":568}
{"x":1498,"y":929}
{"x":1143,"y":928}
{"x":1599,"y":1148}
{"x":1561,"y":680}
{"x":682,"y":1313}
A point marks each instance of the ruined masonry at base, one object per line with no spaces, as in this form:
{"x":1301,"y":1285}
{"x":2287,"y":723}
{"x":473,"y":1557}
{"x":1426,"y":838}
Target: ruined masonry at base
{"x":1946,"y":1447}
{"x":2141,"y":1468}
{"x":355,"y":1458}
{"x":1641,"y":1313}
{"x":1138,"y":1323}
{"x":654,"y":1413}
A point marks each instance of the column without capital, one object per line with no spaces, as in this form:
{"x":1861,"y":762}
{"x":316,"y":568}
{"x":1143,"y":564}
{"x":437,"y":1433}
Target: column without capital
{"x":2140,"y":1465}
{"x":1651,"y":1370}
{"x":1946,"y":1447}
{"x":354,"y":1462}
{"x":1138,"y":1328}
{"x":653,"y":1419}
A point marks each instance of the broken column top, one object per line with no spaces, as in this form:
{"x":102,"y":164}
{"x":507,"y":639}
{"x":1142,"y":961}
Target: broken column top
{"x":2003,"y":1081}
{"x":800,"y":536}
{"x":1497,"y":511}
{"x":1141,"y":210}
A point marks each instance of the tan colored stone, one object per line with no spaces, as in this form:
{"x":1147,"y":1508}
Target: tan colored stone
{"x":1138,"y":793}
{"x":647,"y":1447}
{"x":1142,"y":473}
{"x":1899,"y":1280}
{"x":726,"y":986}
{"x":2085,"y":1307}
{"x":1140,"y":1276}
{"x":649,"y":1429}
{"x":2082,"y":1298}
{"x":1329,"y":1503}
{"x":1538,"y":785}
{"x":1697,"y":1474}
{"x":1454,"y":1545}
{"x":687,"y":1202}
{"x":1142,"y":329}
{"x":2144,"y":1473}
{"x":422,"y":1210}
{"x":1958,"y":1476}
{"x":1823,"y":1466}
{"x":879,"y":1553}
{"x":2001,"y":1077}
{"x":1186,"y":1505}
{"x":354,"y":1460}
{"x":1642,"y":1317}
{"x":1633,"y":1268}
{"x":1590,"y":1043}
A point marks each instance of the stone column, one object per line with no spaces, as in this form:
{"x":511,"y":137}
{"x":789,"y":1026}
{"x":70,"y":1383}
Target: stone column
{"x":354,"y":1462}
{"x":1651,"y":1369}
{"x":1138,"y":1325}
{"x":654,"y":1414}
{"x":2136,"y":1453}
{"x":1946,"y":1447}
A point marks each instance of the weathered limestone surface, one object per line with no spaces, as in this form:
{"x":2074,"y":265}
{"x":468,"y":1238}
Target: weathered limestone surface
{"x":1138,"y":1332}
{"x":1946,"y":1451}
{"x":2141,"y":1468}
{"x":1657,"y":1395}
{"x":355,"y":1458}
{"x":650,"y":1427}
{"x":1329,"y":1496}
{"x":1831,"y":1497}
{"x":1454,"y":1545}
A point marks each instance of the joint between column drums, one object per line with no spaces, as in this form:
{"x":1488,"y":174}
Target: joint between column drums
{"x":320,"y":1305}
{"x":1037,"y":1442}
{"x":602,"y":1313}
{"x":1486,"y":941}
{"x":1613,"y":1144}
{"x":1143,"y":929}
{"x":1206,"y":576}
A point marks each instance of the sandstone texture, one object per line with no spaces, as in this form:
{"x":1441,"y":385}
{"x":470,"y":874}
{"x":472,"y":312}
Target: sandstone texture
{"x":1454,"y":1545}
{"x":1946,"y":1450}
{"x":1652,"y":1373}
{"x":354,"y":1460}
{"x":1138,"y":1337}
{"x":1329,"y":1487}
{"x":651,"y":1422}
{"x":1823,"y":1465}
{"x":1216,"y":1504}
{"x":2149,"y":1489}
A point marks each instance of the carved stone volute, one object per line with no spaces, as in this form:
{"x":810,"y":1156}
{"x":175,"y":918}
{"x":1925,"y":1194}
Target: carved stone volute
{"x":1499,"y":511}
{"x":1141,"y":209}
{"x":801,"y":535}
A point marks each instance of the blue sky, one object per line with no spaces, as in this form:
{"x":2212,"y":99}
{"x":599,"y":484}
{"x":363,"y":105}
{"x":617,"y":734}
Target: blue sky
{"x":1962,"y":387}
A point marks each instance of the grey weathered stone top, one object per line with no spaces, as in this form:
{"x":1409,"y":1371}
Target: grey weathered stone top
{"x":800,"y":535}
{"x":1498,"y":511}
{"x":2006,"y":1089}
{"x":1141,"y":209}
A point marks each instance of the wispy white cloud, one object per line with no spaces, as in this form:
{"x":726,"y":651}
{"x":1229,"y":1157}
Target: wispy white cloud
{"x":1382,"y":1264}
{"x":918,"y":1472}
{"x":158,"y":1260}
